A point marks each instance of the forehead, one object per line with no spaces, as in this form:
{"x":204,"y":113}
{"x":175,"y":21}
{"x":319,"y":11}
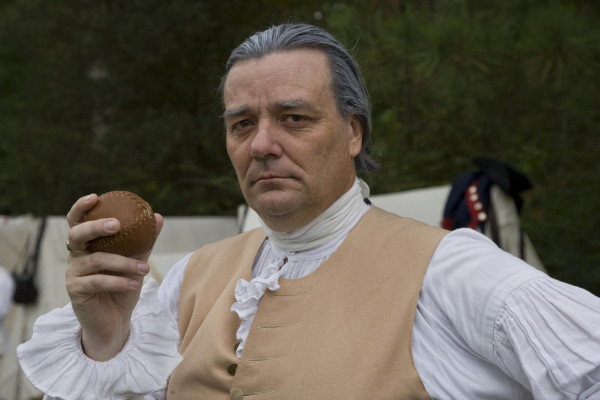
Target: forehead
{"x":302,"y":74}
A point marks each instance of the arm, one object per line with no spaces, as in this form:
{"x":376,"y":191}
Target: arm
{"x":484,"y":310}
{"x":54,"y":361}
{"x":547,"y":336}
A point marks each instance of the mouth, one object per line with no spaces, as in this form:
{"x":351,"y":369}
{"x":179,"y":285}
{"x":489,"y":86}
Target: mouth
{"x":270,"y":178}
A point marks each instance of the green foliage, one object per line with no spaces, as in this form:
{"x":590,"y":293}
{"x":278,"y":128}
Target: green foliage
{"x":512,"y":80}
{"x":104,"y":95}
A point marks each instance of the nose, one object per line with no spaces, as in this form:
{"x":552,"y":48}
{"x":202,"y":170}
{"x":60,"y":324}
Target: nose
{"x":265,"y":142}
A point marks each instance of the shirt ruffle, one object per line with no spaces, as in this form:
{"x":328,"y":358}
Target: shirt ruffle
{"x":53,"y":360}
{"x":248,"y":296}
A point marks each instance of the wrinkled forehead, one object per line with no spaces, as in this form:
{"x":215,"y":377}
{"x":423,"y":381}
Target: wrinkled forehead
{"x":282,"y":75}
{"x":308,"y":52}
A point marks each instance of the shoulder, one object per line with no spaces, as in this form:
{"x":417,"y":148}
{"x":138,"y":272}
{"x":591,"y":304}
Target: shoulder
{"x":389,"y":226}
{"x":467,"y":253}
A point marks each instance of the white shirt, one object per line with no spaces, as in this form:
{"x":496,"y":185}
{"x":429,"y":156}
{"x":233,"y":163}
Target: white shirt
{"x":487,"y":326}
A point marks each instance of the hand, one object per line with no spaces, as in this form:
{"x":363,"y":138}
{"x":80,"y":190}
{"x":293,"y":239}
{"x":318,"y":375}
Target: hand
{"x":104,"y":288}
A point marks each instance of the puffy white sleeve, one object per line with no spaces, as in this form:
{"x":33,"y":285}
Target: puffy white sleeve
{"x":537,"y":331}
{"x":54,"y":362}
{"x":547,"y":336}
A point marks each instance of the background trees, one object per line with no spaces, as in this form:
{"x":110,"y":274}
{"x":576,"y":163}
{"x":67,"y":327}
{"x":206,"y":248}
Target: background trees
{"x":101,"y":95}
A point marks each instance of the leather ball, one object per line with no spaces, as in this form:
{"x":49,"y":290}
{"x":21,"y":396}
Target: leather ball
{"x":138,"y":225}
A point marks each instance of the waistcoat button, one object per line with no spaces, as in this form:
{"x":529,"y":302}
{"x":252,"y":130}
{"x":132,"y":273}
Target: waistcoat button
{"x":231,"y":369}
{"x":236,"y":394}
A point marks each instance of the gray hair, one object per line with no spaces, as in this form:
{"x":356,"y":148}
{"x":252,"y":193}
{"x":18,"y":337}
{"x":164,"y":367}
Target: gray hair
{"x":348,"y":84}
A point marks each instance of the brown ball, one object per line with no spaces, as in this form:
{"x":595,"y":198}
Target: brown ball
{"x":138,"y":225}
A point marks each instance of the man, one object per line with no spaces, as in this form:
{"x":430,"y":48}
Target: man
{"x":333,"y":298}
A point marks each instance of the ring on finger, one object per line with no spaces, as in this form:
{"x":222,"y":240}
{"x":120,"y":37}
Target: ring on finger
{"x":72,"y":250}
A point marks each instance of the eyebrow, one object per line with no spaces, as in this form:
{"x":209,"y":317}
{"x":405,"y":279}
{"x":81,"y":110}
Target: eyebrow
{"x":283,"y":105}
{"x":292,"y":104}
{"x":296,"y":104}
{"x":235,"y":112}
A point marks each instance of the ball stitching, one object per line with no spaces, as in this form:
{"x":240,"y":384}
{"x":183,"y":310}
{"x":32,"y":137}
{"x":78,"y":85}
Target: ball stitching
{"x":107,"y":241}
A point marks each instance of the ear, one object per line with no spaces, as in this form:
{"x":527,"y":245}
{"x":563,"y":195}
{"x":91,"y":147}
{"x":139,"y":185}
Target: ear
{"x":356,"y":134}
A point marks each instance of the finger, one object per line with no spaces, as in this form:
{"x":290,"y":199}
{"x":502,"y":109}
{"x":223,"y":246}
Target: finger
{"x":107,"y":263}
{"x":76,"y":214}
{"x":79,"y":235}
{"x":95,"y":283}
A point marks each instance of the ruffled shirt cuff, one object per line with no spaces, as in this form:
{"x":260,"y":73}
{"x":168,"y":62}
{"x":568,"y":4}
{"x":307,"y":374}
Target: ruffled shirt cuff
{"x":54,"y":361}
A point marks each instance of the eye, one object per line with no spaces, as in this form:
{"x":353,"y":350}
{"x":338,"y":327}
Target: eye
{"x":241,"y":125}
{"x":295,"y":119}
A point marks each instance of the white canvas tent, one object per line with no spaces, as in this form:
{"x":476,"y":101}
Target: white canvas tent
{"x":16,"y":241}
{"x":180,"y":236}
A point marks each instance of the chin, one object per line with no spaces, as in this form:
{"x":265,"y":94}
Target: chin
{"x":274,"y":203}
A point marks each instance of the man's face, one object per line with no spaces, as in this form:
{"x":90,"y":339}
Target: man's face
{"x":291,"y":149}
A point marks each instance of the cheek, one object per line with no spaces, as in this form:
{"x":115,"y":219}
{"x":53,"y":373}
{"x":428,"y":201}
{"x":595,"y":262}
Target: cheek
{"x":236,"y":156}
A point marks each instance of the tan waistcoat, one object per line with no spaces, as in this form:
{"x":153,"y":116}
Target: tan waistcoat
{"x":343,"y":332}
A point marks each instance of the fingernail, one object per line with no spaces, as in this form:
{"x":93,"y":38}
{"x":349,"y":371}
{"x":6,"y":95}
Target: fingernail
{"x":87,"y":198}
{"x":110,"y":225}
{"x":134,"y":284}
{"x":143,"y":268}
